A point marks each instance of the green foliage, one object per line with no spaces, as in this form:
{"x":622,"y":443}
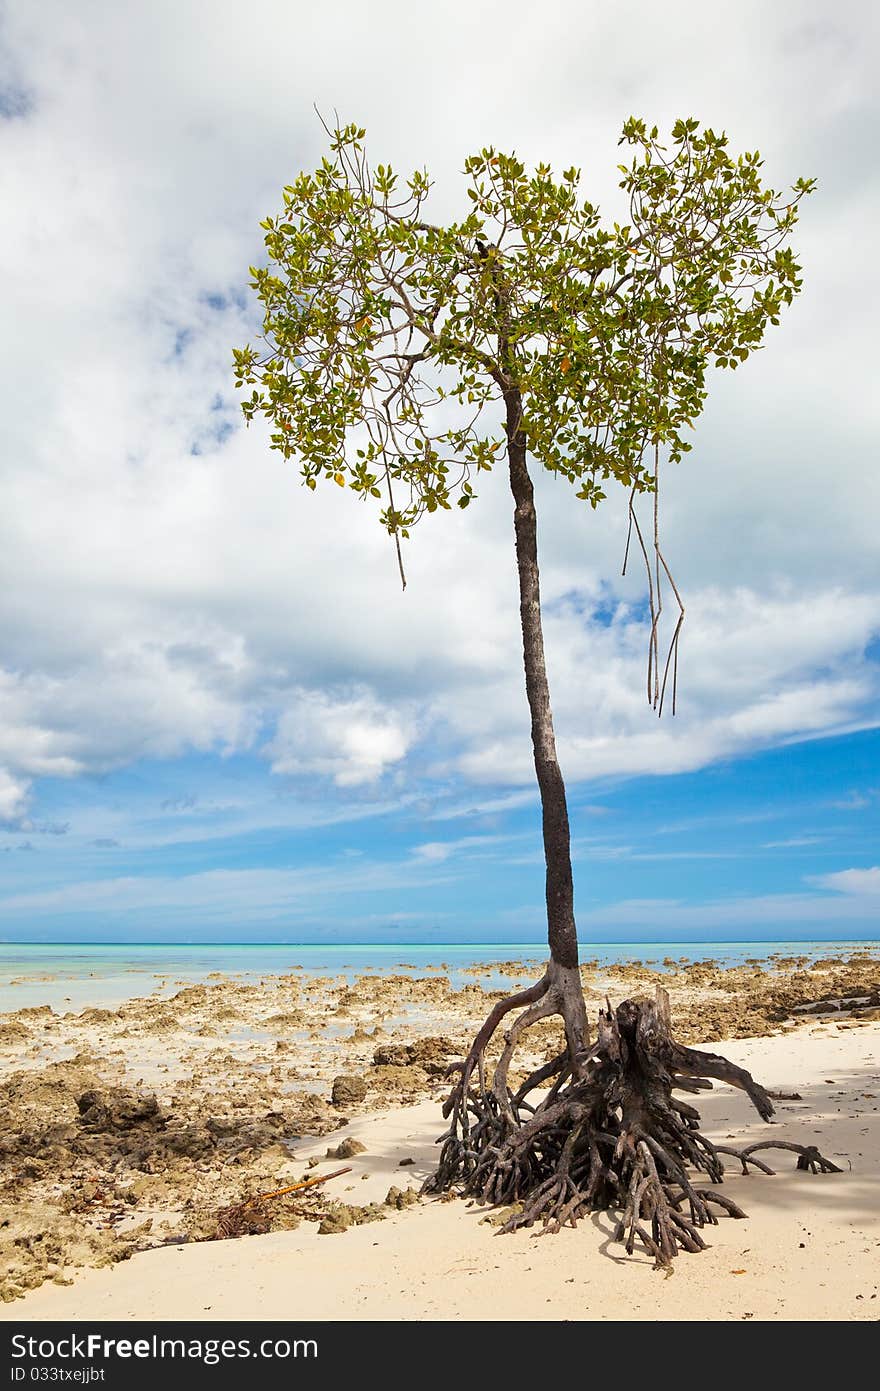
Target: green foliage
{"x":391,"y":343}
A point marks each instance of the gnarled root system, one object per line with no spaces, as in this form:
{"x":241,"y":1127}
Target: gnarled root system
{"x":598,"y":1127}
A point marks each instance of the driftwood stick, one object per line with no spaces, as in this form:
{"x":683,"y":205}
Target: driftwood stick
{"x":246,"y":1219}
{"x":298,"y":1187}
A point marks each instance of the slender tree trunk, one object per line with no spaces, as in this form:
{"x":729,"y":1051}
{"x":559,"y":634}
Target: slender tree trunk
{"x":608,"y":1133}
{"x":561,"y":929}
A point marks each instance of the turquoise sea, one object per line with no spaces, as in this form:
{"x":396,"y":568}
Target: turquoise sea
{"x":74,"y":976}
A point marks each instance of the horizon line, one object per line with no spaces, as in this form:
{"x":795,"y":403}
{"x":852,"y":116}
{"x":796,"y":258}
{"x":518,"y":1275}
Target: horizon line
{"x":628,"y":941}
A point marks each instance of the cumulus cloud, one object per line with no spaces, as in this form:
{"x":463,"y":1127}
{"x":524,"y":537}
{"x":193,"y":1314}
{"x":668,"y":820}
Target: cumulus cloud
{"x":352,"y":739}
{"x":13,"y":796}
{"x":747,"y":678}
{"x":149,"y":694}
{"x":169,"y":587}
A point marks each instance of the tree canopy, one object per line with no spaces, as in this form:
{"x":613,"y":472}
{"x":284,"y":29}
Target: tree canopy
{"x":389,"y":340}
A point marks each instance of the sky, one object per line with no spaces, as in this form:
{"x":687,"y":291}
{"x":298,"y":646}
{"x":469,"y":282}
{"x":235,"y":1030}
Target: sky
{"x":220,"y":717}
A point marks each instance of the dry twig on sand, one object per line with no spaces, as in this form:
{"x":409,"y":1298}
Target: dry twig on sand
{"x":246,"y":1219}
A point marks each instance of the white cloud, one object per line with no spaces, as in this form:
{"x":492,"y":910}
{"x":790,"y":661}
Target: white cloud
{"x":791,"y":843}
{"x":859,"y":882}
{"x":287,"y":895}
{"x":13,"y":796}
{"x":435,"y":850}
{"x":168,"y":586}
{"x":147,"y":697}
{"x":757,"y":913}
{"x":352,"y":739}
{"x":438,"y":850}
{"x":226,"y":894}
{"x":855,"y":801}
{"x":747,"y":678}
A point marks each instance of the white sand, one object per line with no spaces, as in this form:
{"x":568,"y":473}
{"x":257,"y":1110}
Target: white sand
{"x":809,"y":1250}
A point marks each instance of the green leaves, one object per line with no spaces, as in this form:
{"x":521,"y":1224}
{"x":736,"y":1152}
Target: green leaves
{"x":391,"y":345}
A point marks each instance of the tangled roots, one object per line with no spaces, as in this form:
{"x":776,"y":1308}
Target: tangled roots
{"x":602,"y":1129}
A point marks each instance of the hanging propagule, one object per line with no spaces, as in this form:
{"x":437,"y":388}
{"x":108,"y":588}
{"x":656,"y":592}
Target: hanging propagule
{"x":656,"y":686}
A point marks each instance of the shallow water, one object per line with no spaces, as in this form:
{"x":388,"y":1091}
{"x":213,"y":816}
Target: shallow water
{"x":74,"y":977}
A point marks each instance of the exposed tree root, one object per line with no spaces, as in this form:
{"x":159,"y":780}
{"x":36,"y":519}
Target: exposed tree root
{"x":603,"y":1129}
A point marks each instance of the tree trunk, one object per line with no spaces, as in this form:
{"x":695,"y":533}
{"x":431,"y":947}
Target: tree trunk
{"x":604,"y":1129}
{"x":561,"y":929}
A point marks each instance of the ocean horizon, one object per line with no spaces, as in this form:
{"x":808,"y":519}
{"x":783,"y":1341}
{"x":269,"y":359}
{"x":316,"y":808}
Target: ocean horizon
{"x":76,"y":975}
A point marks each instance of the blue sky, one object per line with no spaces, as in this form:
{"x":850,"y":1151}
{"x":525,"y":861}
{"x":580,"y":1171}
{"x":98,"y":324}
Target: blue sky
{"x":219,"y":716}
{"x":204,"y":849}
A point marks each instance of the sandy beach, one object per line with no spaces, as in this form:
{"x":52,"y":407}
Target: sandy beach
{"x":128,"y":1135}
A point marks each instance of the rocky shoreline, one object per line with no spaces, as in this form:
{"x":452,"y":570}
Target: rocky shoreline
{"x":147,"y":1125}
